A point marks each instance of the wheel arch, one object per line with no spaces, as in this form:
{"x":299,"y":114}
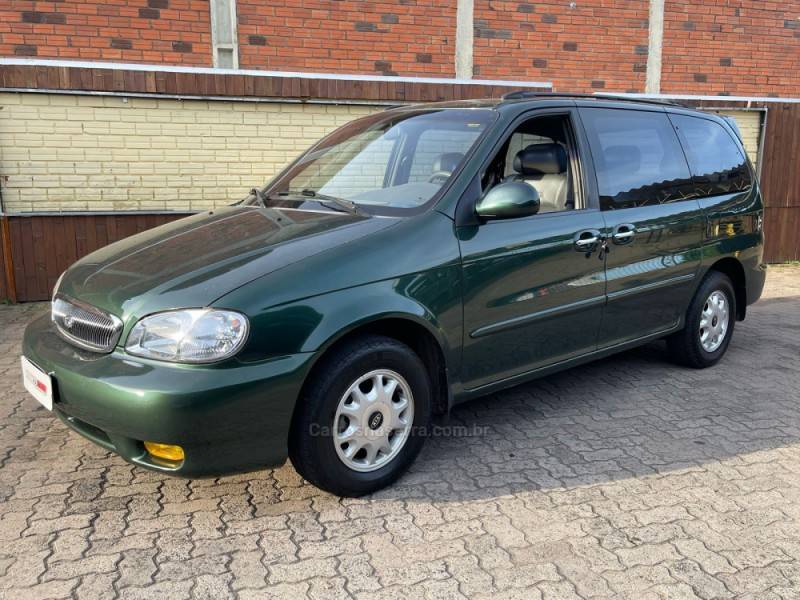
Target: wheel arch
{"x":417,"y":333}
{"x":735,"y":272}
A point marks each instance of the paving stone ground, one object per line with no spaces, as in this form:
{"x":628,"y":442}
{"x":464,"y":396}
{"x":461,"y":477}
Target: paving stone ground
{"x":626,"y":478}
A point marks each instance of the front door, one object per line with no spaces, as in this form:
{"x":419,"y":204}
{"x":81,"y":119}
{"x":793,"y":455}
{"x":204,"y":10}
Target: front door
{"x":532,"y":295}
{"x":653,"y":223}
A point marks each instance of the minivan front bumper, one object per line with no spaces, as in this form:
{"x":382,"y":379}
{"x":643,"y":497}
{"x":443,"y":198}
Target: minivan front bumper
{"x":228,"y":418}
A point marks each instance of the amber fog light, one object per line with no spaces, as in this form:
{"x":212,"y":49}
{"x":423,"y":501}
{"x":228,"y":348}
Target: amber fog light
{"x":168,"y":452}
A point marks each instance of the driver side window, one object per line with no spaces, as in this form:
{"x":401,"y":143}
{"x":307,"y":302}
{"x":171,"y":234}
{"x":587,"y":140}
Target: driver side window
{"x":538,"y":153}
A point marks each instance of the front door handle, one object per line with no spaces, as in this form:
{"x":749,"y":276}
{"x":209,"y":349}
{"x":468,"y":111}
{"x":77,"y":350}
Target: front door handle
{"x":623,"y":234}
{"x":586,"y":241}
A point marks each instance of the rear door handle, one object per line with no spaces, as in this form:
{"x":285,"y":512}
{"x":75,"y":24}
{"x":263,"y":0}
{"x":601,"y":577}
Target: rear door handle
{"x":623,"y":233}
{"x":587,"y":240}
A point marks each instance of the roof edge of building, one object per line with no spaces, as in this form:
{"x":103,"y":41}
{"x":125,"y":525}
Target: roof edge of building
{"x":148,"y":67}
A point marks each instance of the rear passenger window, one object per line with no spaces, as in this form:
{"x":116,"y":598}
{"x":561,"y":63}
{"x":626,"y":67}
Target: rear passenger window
{"x":637,"y":157}
{"x":716,"y":160}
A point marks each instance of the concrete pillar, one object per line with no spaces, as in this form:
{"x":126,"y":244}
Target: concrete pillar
{"x":464,"y":38}
{"x":654,"y":47}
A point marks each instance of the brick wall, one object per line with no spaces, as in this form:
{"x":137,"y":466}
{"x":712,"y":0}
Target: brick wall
{"x":580,"y":46}
{"x":67,"y":152}
{"x":63,"y":152}
{"x":739,"y":48}
{"x":150,"y":31}
{"x":383,"y":38}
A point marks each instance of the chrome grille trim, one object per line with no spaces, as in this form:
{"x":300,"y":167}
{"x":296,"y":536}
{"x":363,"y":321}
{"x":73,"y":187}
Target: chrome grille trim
{"x":84,"y":325}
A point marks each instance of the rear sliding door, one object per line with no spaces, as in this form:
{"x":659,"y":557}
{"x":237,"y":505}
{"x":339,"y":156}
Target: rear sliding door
{"x":653,"y":221}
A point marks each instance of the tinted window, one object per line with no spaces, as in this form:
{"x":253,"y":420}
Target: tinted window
{"x":717,"y":162}
{"x":637,"y":158}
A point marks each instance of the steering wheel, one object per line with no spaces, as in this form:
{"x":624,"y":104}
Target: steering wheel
{"x":439,"y":177}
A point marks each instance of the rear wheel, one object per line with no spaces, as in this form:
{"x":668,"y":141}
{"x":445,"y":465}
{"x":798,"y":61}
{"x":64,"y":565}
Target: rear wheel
{"x":362,"y":419}
{"x":709,"y":324}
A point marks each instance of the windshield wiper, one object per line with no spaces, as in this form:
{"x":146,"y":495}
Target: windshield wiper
{"x":325,"y":200}
{"x":259,"y":195}
{"x":332,"y":202}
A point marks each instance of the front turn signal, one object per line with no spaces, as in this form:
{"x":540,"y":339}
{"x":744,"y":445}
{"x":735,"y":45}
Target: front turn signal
{"x":168,"y":452}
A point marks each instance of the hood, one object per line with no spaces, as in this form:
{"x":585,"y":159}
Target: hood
{"x":193,"y":261}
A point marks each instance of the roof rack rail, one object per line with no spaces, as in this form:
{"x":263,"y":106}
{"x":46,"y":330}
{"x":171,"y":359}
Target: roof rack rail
{"x":522,"y":94}
{"x":525,"y":94}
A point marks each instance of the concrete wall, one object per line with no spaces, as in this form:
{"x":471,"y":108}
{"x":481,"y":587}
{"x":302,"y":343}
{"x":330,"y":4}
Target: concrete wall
{"x":70,"y":152}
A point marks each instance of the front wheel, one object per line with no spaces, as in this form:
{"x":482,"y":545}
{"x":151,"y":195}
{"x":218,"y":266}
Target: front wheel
{"x":362,"y":418}
{"x":709,"y":324}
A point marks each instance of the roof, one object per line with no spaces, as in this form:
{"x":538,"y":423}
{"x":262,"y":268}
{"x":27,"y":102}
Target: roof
{"x":525,"y":96}
{"x":534,"y":95}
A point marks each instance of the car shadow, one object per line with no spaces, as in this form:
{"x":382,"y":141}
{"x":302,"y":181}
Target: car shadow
{"x":631,"y":415}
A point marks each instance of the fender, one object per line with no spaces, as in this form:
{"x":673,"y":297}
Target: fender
{"x":431,"y":299}
{"x":734,"y":235}
{"x":327,"y":334}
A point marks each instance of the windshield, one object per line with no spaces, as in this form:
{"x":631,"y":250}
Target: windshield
{"x":393,"y":160}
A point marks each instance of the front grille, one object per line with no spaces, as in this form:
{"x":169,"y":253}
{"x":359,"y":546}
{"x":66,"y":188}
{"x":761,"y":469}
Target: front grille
{"x":85,"y":326}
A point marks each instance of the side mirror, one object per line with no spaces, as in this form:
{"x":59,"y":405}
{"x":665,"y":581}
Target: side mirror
{"x":509,"y":200}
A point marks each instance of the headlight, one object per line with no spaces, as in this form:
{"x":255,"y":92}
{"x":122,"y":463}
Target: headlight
{"x":200,"y":335}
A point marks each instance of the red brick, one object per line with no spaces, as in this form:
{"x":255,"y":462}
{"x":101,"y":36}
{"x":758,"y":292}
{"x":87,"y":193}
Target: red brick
{"x":90,"y":25}
{"x":762,"y":47}
{"x":390,"y":36}
{"x":329,"y":29}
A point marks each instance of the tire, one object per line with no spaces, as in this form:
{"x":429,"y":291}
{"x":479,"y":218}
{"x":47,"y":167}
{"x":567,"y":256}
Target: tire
{"x":686,"y":346}
{"x":330,"y":404}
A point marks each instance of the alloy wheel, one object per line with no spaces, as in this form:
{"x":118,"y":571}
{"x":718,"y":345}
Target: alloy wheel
{"x":373,"y":420}
{"x":714,"y":321}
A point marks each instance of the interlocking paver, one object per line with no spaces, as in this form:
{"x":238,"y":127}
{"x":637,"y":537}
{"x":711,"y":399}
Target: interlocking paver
{"x":626,"y":478}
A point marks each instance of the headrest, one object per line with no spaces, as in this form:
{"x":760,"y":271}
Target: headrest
{"x":447,"y":162}
{"x":619,"y":157}
{"x":541,"y":159}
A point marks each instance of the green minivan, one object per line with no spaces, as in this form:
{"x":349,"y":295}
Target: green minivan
{"x":409,"y":261}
